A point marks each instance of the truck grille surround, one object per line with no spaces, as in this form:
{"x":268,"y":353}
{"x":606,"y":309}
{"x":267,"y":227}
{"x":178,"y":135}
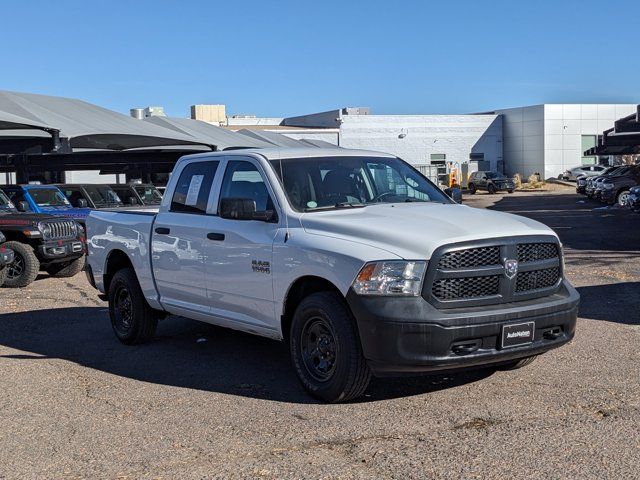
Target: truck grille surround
{"x":61,"y":229}
{"x":493,"y":272}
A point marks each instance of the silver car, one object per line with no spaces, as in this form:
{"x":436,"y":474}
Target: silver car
{"x":587,"y":170}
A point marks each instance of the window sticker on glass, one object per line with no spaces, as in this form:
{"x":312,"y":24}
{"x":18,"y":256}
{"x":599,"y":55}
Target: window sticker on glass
{"x":194,"y":190}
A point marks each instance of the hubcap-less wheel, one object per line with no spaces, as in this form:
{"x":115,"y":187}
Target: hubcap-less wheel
{"x":319,"y":349}
{"x":623,"y":198}
{"x":123,"y":310}
{"x":15,"y":269}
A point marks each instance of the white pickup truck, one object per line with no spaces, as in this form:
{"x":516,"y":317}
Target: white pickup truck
{"x":354,"y":258}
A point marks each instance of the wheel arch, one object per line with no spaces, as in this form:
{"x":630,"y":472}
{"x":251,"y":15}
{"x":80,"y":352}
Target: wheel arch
{"x":116,"y":260}
{"x":298,"y":290}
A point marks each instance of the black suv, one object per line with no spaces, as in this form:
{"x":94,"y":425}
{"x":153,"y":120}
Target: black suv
{"x":143,"y":194}
{"x":39,"y":241}
{"x":89,"y":195}
{"x":615,"y":189}
{"x":6,"y":258}
{"x":490,"y":181}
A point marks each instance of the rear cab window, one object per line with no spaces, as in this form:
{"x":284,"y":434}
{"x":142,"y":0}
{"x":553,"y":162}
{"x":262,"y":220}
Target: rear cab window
{"x":192,"y":190}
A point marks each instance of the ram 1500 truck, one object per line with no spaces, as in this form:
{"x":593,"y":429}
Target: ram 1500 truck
{"x":39,"y":241}
{"x":354,"y":258}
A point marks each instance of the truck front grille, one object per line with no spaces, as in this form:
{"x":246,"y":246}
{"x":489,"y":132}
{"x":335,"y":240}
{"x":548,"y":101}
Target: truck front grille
{"x":62,"y":229}
{"x":493,"y":272}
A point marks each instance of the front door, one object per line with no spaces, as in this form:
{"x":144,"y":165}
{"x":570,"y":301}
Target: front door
{"x":239,"y":252}
{"x":179,"y":239}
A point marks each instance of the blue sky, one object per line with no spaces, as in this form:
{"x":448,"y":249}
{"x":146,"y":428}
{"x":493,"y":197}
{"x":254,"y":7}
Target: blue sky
{"x":274,"y":58}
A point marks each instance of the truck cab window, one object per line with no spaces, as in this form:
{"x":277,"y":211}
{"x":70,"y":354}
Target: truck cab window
{"x":194,"y":185}
{"x":243,"y":180}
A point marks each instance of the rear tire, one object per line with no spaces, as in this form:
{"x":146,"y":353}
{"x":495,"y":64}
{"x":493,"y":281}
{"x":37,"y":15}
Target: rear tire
{"x":516,"y":364}
{"x":66,"y":269}
{"x":132,"y":319}
{"x":3,"y":275}
{"x":509,"y":191}
{"x":325,"y":349}
{"x":491,"y":189}
{"x":622,"y":198}
{"x":24,"y":268}
{"x":472,"y":189}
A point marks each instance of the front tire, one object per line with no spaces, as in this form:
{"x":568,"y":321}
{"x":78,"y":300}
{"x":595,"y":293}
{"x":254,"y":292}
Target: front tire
{"x":132,"y":319}
{"x":472,"y":189}
{"x":66,"y":269}
{"x":24,"y":268}
{"x":491,"y":189}
{"x":325,"y":349}
{"x":622,"y":198}
{"x":509,"y":191}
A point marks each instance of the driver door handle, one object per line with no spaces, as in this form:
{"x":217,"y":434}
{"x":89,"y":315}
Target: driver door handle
{"x":218,"y":237}
{"x":163,"y":231}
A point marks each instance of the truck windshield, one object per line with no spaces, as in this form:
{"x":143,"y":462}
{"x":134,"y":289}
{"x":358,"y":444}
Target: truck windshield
{"x":322,"y":183}
{"x":149,"y":195}
{"x":49,"y":197}
{"x":5,"y":203}
{"x":102,"y":195}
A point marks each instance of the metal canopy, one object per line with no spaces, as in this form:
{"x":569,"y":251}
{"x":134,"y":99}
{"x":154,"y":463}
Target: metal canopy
{"x":622,"y":139}
{"x":206,"y":133}
{"x":80,"y":124}
{"x":273,"y":138}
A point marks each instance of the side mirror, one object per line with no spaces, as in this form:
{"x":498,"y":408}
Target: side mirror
{"x":81,"y":203}
{"x":243,"y":209}
{"x":22,"y":206}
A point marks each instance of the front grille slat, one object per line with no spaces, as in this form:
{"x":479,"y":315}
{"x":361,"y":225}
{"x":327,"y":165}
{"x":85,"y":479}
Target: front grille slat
{"x":61,"y":229}
{"x":452,"y":286}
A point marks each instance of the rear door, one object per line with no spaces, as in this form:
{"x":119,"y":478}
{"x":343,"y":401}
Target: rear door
{"x":179,"y":238}
{"x":239,"y":252}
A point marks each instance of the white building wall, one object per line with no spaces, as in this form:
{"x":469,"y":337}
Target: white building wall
{"x":547,"y":139}
{"x":564,"y":125}
{"x":415,"y":137}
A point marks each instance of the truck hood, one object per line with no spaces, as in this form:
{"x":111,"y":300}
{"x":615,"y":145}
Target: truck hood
{"x":77,"y":213}
{"x":415,"y":230}
{"x":9,"y":219}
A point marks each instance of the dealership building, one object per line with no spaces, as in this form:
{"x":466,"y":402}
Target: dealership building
{"x":545,"y":139}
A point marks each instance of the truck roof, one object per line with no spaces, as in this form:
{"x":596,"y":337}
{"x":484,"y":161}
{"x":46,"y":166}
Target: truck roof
{"x":276,"y":153}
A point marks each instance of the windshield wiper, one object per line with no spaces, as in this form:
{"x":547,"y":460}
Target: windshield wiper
{"x":337,"y":206}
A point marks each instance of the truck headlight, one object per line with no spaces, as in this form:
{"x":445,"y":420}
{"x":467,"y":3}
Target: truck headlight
{"x":392,"y":277}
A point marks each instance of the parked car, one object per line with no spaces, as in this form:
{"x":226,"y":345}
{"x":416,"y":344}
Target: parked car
{"x":588,"y":170}
{"x":615,"y":189}
{"x":6,"y":258}
{"x":592,"y":188}
{"x":633,"y":200}
{"x":39,"y":242}
{"x":354,"y":258}
{"x":490,"y":181}
{"x":583,"y":179}
{"x":83,"y":195}
{"x":44,"y":199}
{"x":143,"y":194}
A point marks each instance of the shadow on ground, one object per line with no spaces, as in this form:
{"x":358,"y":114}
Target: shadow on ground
{"x":581,"y":224}
{"x":615,"y":302}
{"x":187,"y":354}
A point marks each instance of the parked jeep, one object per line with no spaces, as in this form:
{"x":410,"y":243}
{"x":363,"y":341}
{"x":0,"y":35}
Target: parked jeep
{"x":89,"y":195}
{"x":39,"y":242}
{"x":6,"y":257}
{"x":490,"y":181}
{"x":143,"y":194}
{"x":44,"y":199}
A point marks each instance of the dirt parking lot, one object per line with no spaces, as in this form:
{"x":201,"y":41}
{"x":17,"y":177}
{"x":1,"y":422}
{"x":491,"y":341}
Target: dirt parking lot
{"x":203,"y":402}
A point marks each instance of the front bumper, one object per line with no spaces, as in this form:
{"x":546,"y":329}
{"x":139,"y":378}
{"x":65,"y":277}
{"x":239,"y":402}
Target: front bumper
{"x":633,"y":201}
{"x":607,"y":196}
{"x":581,"y":188}
{"x":60,"y":251}
{"x":409,"y":335}
{"x":6,"y":256}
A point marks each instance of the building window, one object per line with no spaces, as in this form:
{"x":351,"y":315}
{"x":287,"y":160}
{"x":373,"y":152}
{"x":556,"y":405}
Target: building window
{"x":438,"y":156}
{"x":476,"y":157}
{"x":587,"y":142}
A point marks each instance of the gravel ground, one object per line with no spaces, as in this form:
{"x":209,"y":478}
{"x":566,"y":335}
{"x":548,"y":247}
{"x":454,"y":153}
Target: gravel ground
{"x":203,"y":402}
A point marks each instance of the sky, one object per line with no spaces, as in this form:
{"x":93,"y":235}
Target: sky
{"x":285,"y":58}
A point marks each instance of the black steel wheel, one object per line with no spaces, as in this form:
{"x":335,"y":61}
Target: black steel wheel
{"x":132,"y":319}
{"x":491,"y":188}
{"x":325,"y":348}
